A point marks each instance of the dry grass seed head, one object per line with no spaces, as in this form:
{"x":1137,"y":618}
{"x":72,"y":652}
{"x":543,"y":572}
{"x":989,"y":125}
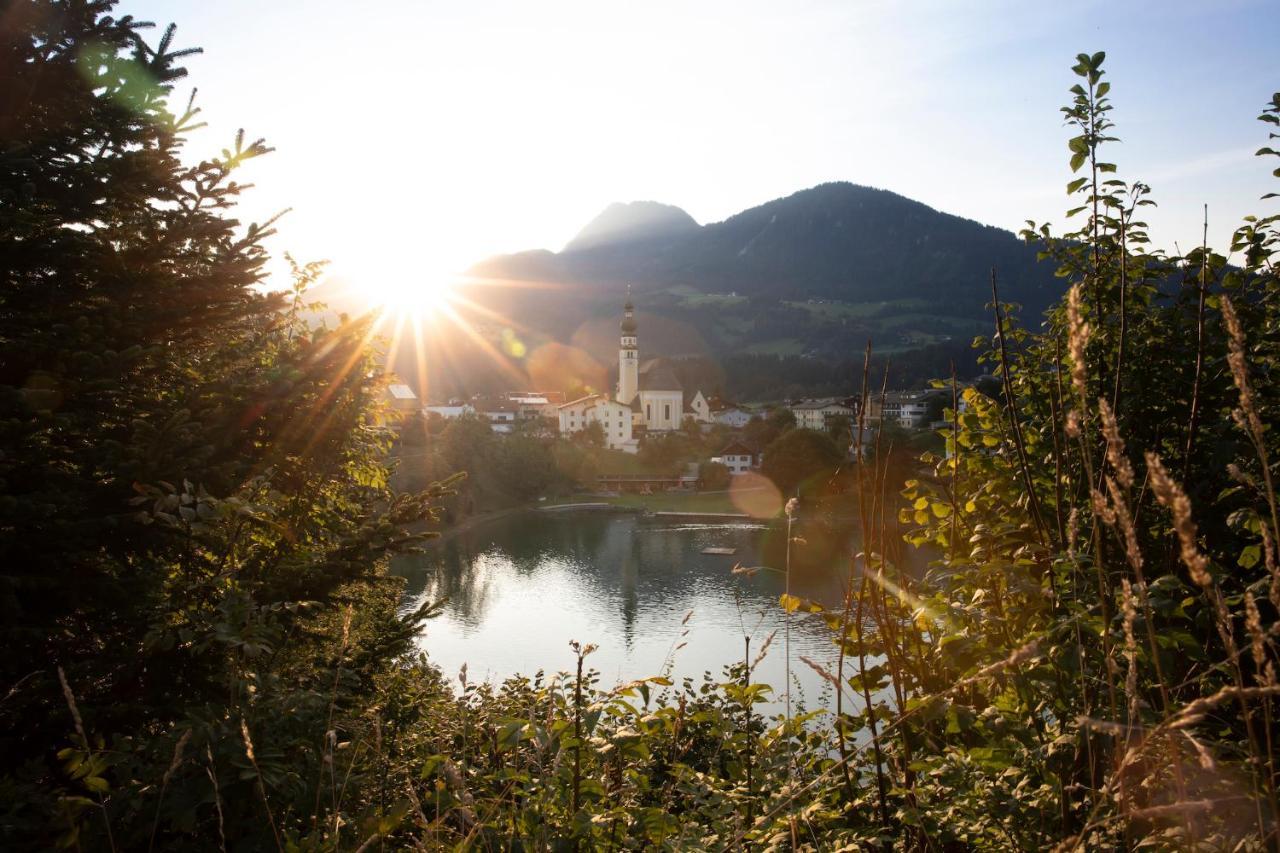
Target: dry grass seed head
{"x":1257,"y":641}
{"x":248,"y":741}
{"x":1120,"y":510}
{"x":1073,"y":532}
{"x":1073,"y":424}
{"x":1115,"y":445}
{"x":1246,"y":417}
{"x":75,"y":711}
{"x":1130,"y":650}
{"x":1171,"y":496}
{"x":1101,"y":508}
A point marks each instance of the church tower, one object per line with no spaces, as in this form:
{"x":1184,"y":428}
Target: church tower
{"x":628,"y":356}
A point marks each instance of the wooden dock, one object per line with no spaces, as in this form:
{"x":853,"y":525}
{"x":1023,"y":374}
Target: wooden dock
{"x":587,"y":507}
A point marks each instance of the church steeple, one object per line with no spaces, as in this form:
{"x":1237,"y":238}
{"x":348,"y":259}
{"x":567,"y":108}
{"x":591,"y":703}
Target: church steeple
{"x":628,"y":354}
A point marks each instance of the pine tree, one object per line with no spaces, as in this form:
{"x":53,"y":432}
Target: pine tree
{"x":190,"y":470}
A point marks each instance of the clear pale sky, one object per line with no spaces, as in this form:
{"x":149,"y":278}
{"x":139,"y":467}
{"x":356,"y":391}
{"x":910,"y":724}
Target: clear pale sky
{"x":418,"y":137}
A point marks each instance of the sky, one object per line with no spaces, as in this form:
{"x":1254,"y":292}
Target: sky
{"x":415,"y":138}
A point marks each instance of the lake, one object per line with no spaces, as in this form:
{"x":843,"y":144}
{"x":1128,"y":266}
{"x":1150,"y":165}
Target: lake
{"x":520,"y":587}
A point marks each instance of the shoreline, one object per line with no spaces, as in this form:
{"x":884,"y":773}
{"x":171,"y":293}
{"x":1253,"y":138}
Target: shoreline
{"x":446,"y":533}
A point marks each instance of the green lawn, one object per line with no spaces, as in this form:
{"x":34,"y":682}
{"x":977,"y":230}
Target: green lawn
{"x":833,"y":309}
{"x":691,"y":297}
{"x":661,"y":502}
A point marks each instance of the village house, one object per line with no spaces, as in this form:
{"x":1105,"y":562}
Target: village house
{"x":501,"y":414}
{"x":818,"y":414}
{"x":737,"y":457}
{"x":906,"y":409}
{"x":614,"y":418}
{"x":727,"y":414}
{"x":401,"y":398}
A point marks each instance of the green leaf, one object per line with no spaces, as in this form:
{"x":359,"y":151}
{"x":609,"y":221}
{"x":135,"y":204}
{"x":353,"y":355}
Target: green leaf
{"x":1250,"y":556}
{"x":1076,"y":184}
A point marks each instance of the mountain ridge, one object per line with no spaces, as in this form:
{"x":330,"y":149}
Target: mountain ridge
{"x":836,"y":240}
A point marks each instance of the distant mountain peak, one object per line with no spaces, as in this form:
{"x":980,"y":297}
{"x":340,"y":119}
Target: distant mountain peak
{"x":632,"y":222}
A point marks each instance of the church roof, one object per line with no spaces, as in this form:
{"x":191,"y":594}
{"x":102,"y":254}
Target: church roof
{"x":656,"y":375}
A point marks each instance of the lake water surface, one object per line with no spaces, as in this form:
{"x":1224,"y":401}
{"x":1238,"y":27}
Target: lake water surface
{"x":521,"y":587}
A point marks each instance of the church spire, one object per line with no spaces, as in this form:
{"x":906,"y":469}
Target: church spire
{"x":628,"y":317}
{"x":628,"y":354}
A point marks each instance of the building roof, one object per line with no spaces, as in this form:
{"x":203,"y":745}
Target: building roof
{"x":818,"y":404}
{"x":656,"y":375}
{"x":596,"y":400}
{"x":577,"y":401}
{"x":401,"y":392}
{"x":720,"y":404}
{"x":737,"y":448}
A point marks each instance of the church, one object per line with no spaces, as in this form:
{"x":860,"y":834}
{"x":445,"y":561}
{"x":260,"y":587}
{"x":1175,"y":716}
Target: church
{"x":648,"y":398}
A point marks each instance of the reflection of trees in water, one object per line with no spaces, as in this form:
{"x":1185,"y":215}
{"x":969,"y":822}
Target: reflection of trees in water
{"x":458,"y":570}
{"x":639,"y":564}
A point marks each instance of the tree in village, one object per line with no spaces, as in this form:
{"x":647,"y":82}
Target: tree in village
{"x":800,"y":455}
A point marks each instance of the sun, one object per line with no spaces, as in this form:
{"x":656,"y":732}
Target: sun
{"x":412,"y":295}
{"x":405,"y":290}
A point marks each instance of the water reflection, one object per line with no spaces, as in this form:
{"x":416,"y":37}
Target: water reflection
{"x":521,"y":587}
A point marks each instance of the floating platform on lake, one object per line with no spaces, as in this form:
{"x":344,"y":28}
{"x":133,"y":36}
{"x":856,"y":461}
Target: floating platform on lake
{"x":592,"y":507}
{"x":721,"y":552}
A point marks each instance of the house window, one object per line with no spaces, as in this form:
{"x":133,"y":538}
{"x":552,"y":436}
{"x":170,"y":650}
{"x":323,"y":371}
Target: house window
{"x":648,"y":412}
{"x":667,"y":412}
